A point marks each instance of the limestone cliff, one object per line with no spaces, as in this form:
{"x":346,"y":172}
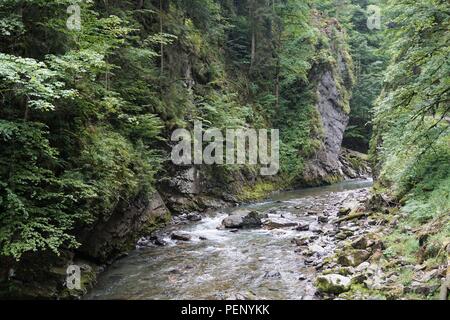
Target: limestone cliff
{"x":107,"y":240}
{"x":334,"y":82}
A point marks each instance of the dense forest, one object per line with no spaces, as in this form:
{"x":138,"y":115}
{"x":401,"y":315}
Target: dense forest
{"x":91,"y":92}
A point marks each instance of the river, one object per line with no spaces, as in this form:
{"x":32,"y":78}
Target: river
{"x":220,"y":264}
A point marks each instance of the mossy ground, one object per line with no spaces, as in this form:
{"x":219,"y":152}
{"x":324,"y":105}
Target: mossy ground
{"x":257,"y":191}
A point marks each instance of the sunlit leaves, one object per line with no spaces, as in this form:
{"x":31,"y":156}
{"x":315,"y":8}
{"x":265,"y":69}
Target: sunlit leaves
{"x":31,"y":80}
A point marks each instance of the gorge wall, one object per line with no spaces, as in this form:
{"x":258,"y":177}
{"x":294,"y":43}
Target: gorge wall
{"x":208,"y":73}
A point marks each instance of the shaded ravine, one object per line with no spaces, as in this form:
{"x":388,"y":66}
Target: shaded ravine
{"x":220,"y":264}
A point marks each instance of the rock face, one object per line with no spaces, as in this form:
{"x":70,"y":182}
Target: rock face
{"x":330,"y":162}
{"x":197,"y":189}
{"x":108,"y":239}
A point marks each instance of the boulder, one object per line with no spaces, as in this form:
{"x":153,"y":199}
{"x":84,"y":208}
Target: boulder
{"x":300,"y":241}
{"x":344,"y":211}
{"x":363,"y":266}
{"x":353,"y":258}
{"x":333,"y":284}
{"x":180,"y":236}
{"x":302,"y":227}
{"x":317,"y":249}
{"x":243,"y":219}
{"x":343,"y":235}
{"x":367,"y":241}
{"x":278,"y":223}
{"x":194,"y":216}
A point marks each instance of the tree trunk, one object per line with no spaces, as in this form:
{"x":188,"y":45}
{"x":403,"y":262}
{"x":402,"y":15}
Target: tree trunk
{"x":253,"y":56}
{"x":161,"y":21}
{"x":277,"y":85}
{"x":253,"y":30}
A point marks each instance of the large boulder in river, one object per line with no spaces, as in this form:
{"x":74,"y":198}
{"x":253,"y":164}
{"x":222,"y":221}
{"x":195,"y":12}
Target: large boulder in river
{"x":243,"y":219}
{"x":180,"y":236}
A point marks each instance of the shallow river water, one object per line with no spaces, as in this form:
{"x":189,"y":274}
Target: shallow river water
{"x":246,"y":264}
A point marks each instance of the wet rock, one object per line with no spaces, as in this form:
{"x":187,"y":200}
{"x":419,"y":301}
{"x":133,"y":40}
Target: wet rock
{"x":243,"y":219}
{"x":353,"y":258}
{"x":180,"y":236}
{"x":300,"y":241}
{"x":363,"y":266}
{"x":317,"y":249}
{"x":315,"y":227}
{"x":318,"y":265}
{"x":333,"y":284}
{"x":302,"y":227}
{"x":322,"y":219}
{"x":159,"y":241}
{"x":203,"y":238}
{"x":194,"y":216}
{"x":342,"y":235}
{"x":302,"y":277}
{"x":278,"y":223}
{"x":143,"y":243}
{"x":344,"y":211}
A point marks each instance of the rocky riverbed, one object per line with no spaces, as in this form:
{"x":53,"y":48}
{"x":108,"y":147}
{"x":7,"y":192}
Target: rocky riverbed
{"x":289,"y":247}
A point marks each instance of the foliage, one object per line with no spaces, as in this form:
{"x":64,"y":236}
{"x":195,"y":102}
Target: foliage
{"x":410,"y":146}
